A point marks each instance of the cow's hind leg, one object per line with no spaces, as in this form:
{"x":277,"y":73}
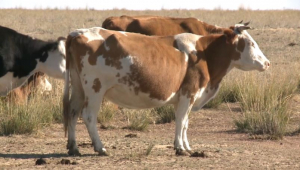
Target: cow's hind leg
{"x":89,"y":115}
{"x":76,"y":104}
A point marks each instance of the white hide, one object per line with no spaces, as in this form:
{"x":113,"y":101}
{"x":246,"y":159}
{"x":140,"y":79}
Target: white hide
{"x":252,"y":58}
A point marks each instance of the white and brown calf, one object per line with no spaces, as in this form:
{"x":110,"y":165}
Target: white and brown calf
{"x":35,"y":83}
{"x":138,"y":71}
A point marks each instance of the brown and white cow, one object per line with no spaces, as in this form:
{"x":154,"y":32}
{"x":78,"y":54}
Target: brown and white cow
{"x":159,"y":25}
{"x":138,"y":71}
{"x":35,"y":83}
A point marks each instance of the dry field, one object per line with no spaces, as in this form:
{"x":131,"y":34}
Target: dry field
{"x":211,"y":130}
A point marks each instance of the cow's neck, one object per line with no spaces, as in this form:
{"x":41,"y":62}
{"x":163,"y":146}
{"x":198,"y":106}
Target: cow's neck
{"x":30,"y":47}
{"x":218,"y":54}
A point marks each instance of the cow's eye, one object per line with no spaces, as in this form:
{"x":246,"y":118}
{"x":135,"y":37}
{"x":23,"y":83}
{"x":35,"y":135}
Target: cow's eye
{"x":252,"y":44}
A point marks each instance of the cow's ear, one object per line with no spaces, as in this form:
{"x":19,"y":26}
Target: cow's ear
{"x":238,"y":28}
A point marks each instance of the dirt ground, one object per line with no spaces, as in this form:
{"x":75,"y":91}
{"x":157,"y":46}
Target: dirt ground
{"x":210,"y":131}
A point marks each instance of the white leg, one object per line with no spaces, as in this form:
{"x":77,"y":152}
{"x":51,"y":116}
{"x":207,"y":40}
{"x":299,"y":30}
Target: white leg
{"x":184,"y":137}
{"x":89,"y":115}
{"x":183,"y":108}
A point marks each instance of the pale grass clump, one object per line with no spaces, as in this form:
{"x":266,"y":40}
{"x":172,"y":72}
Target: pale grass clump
{"x":138,"y":119}
{"x":265,"y":102}
{"x":165,"y":114}
{"x":107,"y":112}
{"x":39,"y":111}
{"x":27,"y":118}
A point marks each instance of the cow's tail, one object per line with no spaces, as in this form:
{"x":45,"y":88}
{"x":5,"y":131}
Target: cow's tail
{"x":66,"y":98}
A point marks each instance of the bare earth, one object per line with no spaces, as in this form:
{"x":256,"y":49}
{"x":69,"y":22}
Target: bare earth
{"x":211,"y":131}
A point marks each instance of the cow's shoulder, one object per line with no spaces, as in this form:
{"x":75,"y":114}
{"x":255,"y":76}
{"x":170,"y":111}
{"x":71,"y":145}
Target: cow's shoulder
{"x":186,"y":42}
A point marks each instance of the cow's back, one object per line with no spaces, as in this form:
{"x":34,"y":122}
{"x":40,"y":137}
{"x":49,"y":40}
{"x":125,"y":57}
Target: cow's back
{"x":155,"y":25}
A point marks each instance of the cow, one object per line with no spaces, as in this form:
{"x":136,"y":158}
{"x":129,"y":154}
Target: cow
{"x":21,"y":56}
{"x":159,"y":25}
{"x":138,"y":71}
{"x":35,"y":83}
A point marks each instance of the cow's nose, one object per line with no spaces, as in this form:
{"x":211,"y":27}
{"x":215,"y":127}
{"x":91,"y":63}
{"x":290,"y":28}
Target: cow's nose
{"x":267,"y":64}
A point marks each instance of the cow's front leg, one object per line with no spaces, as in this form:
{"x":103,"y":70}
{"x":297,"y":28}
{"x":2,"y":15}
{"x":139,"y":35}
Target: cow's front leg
{"x":183,"y":108}
{"x":184,"y":137}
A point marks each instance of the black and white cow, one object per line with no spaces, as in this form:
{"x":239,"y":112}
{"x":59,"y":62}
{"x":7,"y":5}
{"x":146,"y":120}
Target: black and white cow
{"x":22,"y":55}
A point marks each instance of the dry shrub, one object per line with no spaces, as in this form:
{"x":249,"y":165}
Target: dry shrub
{"x":39,"y":111}
{"x":265,"y":101}
{"x":107,"y":112}
{"x":138,"y":119}
{"x":166,"y":114}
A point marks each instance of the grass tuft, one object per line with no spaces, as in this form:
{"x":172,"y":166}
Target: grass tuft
{"x":166,"y":114}
{"x":265,"y":103}
{"x":39,"y":111}
{"x":138,"y":119}
{"x":19,"y":123}
{"x":106,"y":113}
{"x":149,"y":149}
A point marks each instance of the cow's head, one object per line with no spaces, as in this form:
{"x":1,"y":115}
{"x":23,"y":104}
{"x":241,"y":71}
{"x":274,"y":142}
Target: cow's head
{"x":45,"y":85}
{"x":37,"y":82}
{"x":54,"y":64}
{"x":251,"y":57}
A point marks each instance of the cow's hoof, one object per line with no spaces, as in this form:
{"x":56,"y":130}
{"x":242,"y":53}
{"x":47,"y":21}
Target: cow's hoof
{"x":103,"y":153}
{"x":190,"y":151}
{"x":181,"y":152}
{"x":74,"y":153}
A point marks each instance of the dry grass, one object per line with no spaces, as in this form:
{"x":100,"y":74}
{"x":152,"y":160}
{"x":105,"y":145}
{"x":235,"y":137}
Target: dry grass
{"x":166,"y":114}
{"x":138,"y":119}
{"x":275,"y":31}
{"x":106,"y":113}
{"x":39,"y":111}
{"x":265,"y":102}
